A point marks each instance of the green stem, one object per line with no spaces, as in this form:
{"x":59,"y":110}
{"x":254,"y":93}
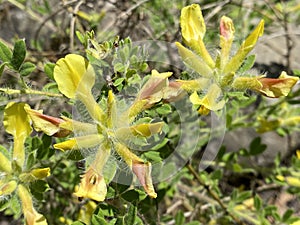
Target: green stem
{"x":28,"y":91}
{"x":213,"y":194}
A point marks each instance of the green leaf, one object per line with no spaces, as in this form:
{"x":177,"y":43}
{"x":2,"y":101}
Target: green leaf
{"x":98,"y":220}
{"x":133,"y":195}
{"x":19,"y":54}
{"x":179,"y":218}
{"x":5,"y":53}
{"x":287,"y":215}
{"x":243,"y":196}
{"x":257,"y":202}
{"x":216,"y":175}
{"x":119,"y":67}
{"x":247,"y":64}
{"x":2,"y":66}
{"x":39,"y":186}
{"x":77,"y":223}
{"x":256,"y":147}
{"x":131,"y":215}
{"x":26,"y":68}
{"x":193,"y":223}
{"x":118,"y":81}
{"x":48,"y":69}
{"x":164,"y":109}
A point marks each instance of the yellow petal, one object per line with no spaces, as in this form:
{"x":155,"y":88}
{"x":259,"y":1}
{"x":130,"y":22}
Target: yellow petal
{"x":35,"y":174}
{"x":8,"y":188}
{"x":298,"y":154}
{"x":16,"y":122}
{"x":154,"y":85}
{"x":237,"y":60}
{"x":32,"y":217}
{"x":227,"y":34}
{"x":147,"y":130}
{"x":192,"y":23}
{"x":5,"y":165}
{"x":194,"y":61}
{"x":140,"y":168}
{"x":40,"y":173}
{"x":144,"y":130}
{"x":298,"y":221}
{"x":47,"y":124}
{"x":293,"y":181}
{"x":81,"y":142}
{"x":111,"y":110}
{"x":143,"y":173}
{"x":86,"y":212}
{"x":212,"y":100}
{"x":74,"y":75}
{"x":194,"y":85}
{"x":92,"y":186}
{"x":243,"y":83}
{"x":193,"y":30}
{"x":276,"y":87}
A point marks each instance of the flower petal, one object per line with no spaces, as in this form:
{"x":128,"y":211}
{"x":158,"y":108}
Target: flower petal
{"x":5,"y":165}
{"x":143,"y":130}
{"x":81,"y":142}
{"x":16,"y":122}
{"x":237,"y":60}
{"x":153,"y":87}
{"x":211,"y":100}
{"x":143,"y":173}
{"x":140,"y":168}
{"x":92,"y":186}
{"x":227,"y":34}
{"x":194,"y":61}
{"x":73,"y":74}
{"x":192,"y":23}
{"x":35,"y":174}
{"x":8,"y":187}
{"x":275,"y":88}
{"x":48,"y":124}
{"x":32,"y":217}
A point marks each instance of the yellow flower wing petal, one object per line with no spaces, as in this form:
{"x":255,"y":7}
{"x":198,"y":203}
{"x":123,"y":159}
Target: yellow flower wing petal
{"x":73,"y":75}
{"x":194,"y":61}
{"x":17,"y":123}
{"x":32,"y":217}
{"x":236,"y":61}
{"x":192,"y":23}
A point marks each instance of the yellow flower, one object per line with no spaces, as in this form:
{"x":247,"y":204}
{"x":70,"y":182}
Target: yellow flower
{"x":276,"y":87}
{"x":75,"y":78}
{"x":92,"y":183}
{"x":35,"y":174}
{"x":212,"y":100}
{"x":5,"y":165}
{"x":221,"y":72}
{"x":48,"y":124}
{"x":6,"y":188}
{"x":92,"y":186}
{"x":17,"y":123}
{"x":110,"y":130}
{"x":32,"y":217}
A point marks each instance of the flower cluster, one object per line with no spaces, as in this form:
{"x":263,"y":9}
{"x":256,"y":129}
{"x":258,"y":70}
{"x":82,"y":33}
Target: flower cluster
{"x":15,"y":177}
{"x":111,"y":128}
{"x":220,"y":74}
